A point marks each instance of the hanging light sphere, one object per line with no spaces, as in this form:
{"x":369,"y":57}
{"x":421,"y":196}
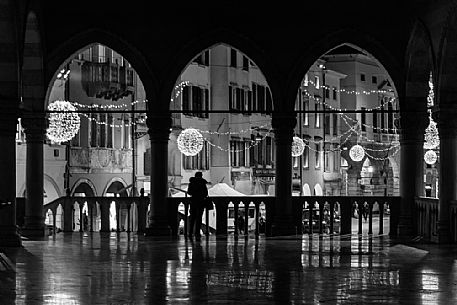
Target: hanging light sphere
{"x":63,"y":126}
{"x":357,"y":153}
{"x":298,"y":146}
{"x":430,"y":157}
{"x":190,"y":142}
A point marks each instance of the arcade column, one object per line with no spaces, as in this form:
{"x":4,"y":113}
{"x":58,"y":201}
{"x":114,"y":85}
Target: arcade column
{"x":284,"y":220}
{"x":35,"y":129}
{"x":9,"y":236}
{"x":413,"y":124}
{"x":447,"y":128}
{"x":159,"y":130}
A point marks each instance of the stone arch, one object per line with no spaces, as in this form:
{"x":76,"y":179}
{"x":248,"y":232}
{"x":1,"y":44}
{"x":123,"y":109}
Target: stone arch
{"x":59,"y":56}
{"x":446,"y":91}
{"x":50,"y":182}
{"x":113,"y":181}
{"x":317,"y":190}
{"x":230,"y":38}
{"x":420,"y":61}
{"x":354,"y":38}
{"x":87,"y":184}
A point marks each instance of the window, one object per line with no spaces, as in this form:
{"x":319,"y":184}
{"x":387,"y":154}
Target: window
{"x":109,"y":142}
{"x":306,"y":81}
{"x":261,"y":98}
{"x":253,"y":153}
{"x":334,"y":93}
{"x":336,"y":156}
{"x":306,"y":109}
{"x":375,"y":120}
{"x":295,"y":162}
{"x":327,"y":121}
{"x":238,"y":153}
{"x":390,"y":118}
{"x":255,"y":106}
{"x":249,"y":102}
{"x":327,"y":92}
{"x":382,"y":117}
{"x":268,"y":151}
{"x":316,"y":82}
{"x":245,"y":63}
{"x":199,"y":161}
{"x":102,"y":130}
{"x":317,"y":159}
{"x":306,"y":157}
{"x":93,"y":130}
{"x":186,"y":100}
{"x":335,"y":124}
{"x":374,"y":80}
{"x":362,"y":77}
{"x":326,"y":157}
{"x":233,"y":58}
{"x":363,"y":119}
{"x":317,"y":116}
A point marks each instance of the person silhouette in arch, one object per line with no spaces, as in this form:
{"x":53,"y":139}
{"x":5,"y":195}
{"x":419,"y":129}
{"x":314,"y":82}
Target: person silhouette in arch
{"x":198,"y":191}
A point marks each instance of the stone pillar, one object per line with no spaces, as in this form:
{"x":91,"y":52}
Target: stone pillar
{"x":447,"y":128}
{"x":284,"y":219}
{"x":413,"y":124}
{"x":35,"y":129}
{"x":159,"y":130}
{"x":9,"y":236}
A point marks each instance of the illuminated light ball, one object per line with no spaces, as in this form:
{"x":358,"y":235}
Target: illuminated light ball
{"x":190,"y":142}
{"x":357,"y":153}
{"x":430,"y":157}
{"x":298,"y":146}
{"x":63,"y":126}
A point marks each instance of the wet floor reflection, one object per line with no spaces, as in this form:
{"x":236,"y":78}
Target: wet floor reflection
{"x":81,"y":268}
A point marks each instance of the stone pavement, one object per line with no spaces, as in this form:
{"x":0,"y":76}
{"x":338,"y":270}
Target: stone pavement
{"x":81,"y":268}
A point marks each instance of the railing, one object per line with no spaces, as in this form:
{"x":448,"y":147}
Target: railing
{"x":233,"y":215}
{"x":427,"y":218}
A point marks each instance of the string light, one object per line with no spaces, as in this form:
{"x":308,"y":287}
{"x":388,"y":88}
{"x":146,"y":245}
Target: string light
{"x":63,"y":126}
{"x":298,"y":146}
{"x":190,"y":142}
{"x":431,"y":135}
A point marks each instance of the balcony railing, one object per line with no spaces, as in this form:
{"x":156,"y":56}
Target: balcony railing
{"x":323,"y":215}
{"x":427,"y":218}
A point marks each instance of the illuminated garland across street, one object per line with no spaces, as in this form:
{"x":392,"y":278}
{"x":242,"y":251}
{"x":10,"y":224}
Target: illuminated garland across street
{"x":63,"y":126}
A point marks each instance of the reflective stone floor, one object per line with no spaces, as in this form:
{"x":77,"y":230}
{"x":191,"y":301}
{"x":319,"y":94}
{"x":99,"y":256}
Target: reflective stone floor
{"x":82,"y":268}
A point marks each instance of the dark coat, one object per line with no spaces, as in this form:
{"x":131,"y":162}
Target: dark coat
{"x":197,"y":188}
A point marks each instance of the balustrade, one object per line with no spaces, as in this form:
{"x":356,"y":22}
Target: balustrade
{"x":247,"y":214}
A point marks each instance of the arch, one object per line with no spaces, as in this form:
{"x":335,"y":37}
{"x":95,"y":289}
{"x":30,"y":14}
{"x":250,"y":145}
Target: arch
{"x":225,"y":36}
{"x":420,"y":60}
{"x":318,"y":190}
{"x":59,"y":218}
{"x":78,"y":42}
{"x":446,"y":91}
{"x":306,"y":190}
{"x":51,"y":188}
{"x":354,"y":38}
{"x":86,"y":185}
{"x":33,"y":94}
{"x":114,"y":183}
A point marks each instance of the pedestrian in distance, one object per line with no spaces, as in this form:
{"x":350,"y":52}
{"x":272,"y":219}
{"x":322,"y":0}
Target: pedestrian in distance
{"x":198,"y":191}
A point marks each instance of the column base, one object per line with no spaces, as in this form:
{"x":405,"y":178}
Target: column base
{"x":283,"y":226}
{"x":444,"y":234}
{"x":158,"y":230}
{"x":405,"y":228}
{"x":34,"y":233}
{"x":9,"y":237}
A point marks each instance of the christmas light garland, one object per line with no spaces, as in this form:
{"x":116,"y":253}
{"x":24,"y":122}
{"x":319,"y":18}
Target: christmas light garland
{"x":63,"y":126}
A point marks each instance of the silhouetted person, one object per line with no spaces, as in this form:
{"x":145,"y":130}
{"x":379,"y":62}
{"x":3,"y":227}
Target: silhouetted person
{"x":198,"y":192}
{"x":240,"y":223}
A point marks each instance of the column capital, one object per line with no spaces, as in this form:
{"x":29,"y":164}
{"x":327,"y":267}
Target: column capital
{"x":445,"y":117}
{"x":34,"y":125}
{"x":159,"y":126}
